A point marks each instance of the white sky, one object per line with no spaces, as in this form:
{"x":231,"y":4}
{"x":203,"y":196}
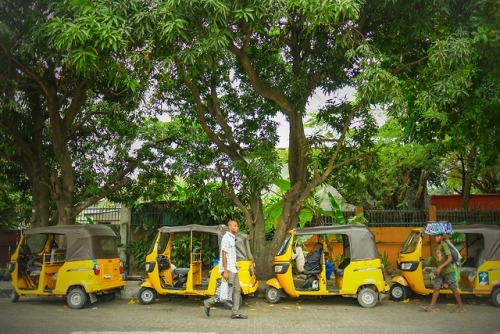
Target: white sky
{"x":318,"y":100}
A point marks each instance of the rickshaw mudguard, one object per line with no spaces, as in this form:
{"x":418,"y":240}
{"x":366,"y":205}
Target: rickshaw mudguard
{"x":274,"y":283}
{"x":400,"y":279}
{"x":147,"y":283}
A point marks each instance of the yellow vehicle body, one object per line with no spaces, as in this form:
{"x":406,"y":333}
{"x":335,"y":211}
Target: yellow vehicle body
{"x":360,"y":275}
{"x":477,"y":275}
{"x":196,"y":278}
{"x":87,"y":268}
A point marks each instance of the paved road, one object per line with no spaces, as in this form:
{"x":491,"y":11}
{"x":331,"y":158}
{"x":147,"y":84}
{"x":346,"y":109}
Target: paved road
{"x":185,"y":315}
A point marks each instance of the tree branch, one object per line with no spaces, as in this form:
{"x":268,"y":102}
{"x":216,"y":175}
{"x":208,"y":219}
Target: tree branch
{"x":261,"y":87}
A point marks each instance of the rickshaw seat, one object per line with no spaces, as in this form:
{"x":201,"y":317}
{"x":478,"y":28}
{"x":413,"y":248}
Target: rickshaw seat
{"x":180,"y":271}
{"x":339,"y":271}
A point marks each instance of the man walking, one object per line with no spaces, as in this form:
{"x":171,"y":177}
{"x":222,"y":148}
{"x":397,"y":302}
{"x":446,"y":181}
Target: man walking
{"x":444,"y":273}
{"x":228,"y":270}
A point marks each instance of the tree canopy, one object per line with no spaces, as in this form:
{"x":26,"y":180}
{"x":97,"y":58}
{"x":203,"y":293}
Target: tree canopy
{"x":85,"y":81}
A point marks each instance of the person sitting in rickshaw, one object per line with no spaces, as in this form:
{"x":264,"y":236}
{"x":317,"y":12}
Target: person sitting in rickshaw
{"x":309,"y":262}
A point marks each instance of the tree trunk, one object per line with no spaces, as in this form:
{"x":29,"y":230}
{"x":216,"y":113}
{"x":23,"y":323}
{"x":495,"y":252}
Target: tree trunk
{"x":468,"y":169}
{"x":63,"y":180}
{"x":421,"y":189}
{"x":40,"y":196}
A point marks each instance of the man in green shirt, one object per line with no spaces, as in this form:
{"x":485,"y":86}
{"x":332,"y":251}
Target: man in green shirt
{"x":444,"y":273}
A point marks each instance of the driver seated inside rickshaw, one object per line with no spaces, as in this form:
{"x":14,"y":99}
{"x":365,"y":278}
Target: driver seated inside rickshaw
{"x":309,"y":262}
{"x":309,"y":265}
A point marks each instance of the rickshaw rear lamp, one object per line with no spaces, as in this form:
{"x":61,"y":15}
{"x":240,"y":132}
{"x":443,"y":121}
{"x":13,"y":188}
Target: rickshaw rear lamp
{"x":121,"y":267}
{"x":97,"y":269}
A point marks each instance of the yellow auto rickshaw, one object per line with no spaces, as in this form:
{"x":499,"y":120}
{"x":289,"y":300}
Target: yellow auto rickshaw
{"x":359,"y":275}
{"x":80,"y":262}
{"x":183,"y":260}
{"x":478,"y":272}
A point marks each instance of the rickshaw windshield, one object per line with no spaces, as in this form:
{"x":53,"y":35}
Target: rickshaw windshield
{"x":162,"y":243}
{"x":284,"y":245}
{"x":411,"y":243}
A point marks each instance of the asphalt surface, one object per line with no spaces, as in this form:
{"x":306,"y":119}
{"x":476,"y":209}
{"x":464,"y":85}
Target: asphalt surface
{"x":174,"y":314}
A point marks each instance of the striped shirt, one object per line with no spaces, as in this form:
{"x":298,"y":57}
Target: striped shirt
{"x":228,"y":245}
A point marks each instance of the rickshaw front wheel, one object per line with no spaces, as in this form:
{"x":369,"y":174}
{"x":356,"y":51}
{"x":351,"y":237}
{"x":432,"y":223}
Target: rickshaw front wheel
{"x":77,"y":298}
{"x":367,"y":297}
{"x":495,"y":296}
{"x":398,"y":292}
{"x":272,"y":295}
{"x":14,"y":296}
{"x":147,"y":295}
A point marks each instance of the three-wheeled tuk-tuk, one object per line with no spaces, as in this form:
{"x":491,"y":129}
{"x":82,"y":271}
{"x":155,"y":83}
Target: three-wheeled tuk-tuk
{"x":195,"y":251}
{"x":77,"y":261}
{"x":359,"y":275}
{"x":478,"y":273}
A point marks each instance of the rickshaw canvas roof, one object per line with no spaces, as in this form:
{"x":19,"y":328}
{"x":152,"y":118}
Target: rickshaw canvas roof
{"x":81,"y":239}
{"x":362,"y":240}
{"x":491,"y":234}
{"x":242,"y":244}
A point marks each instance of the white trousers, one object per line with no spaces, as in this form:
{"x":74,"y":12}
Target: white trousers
{"x":298,"y":256}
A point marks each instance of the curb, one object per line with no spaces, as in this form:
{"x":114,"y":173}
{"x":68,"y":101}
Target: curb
{"x":130,"y":290}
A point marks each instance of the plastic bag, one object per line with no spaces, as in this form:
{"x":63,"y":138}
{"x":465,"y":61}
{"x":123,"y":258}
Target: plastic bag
{"x":223,"y":291}
{"x":455,"y":254}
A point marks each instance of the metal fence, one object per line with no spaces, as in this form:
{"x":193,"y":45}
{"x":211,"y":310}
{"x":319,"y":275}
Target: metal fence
{"x":162,"y":217}
{"x":377,"y":218}
{"x":101,"y":214}
{"x":153,"y":218}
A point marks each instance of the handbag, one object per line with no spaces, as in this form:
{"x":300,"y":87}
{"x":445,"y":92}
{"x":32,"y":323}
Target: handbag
{"x":223,"y":291}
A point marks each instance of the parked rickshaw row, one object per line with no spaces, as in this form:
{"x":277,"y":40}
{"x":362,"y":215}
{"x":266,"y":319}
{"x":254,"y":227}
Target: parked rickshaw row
{"x":81,"y":263}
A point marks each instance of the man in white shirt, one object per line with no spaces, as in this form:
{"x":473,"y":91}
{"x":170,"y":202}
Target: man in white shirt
{"x":228,"y":270}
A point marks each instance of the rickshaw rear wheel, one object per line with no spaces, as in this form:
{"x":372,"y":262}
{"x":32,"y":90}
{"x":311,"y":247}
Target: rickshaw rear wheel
{"x":398,"y":292}
{"x":77,"y":298}
{"x":272,"y":295}
{"x":147,"y":296}
{"x":367,"y":297}
{"x":495,"y":296}
{"x":14,"y":296}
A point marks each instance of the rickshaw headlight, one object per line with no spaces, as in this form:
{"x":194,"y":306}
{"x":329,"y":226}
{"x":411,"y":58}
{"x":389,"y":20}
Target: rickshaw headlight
{"x":409,"y":266}
{"x":12,"y":266}
{"x":281,"y":268}
{"x":150,"y":266}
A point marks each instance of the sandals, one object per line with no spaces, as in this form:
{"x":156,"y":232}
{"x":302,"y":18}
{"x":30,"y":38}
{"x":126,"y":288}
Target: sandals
{"x":238,"y":316}
{"x":458,"y":310}
{"x":428,"y":309}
